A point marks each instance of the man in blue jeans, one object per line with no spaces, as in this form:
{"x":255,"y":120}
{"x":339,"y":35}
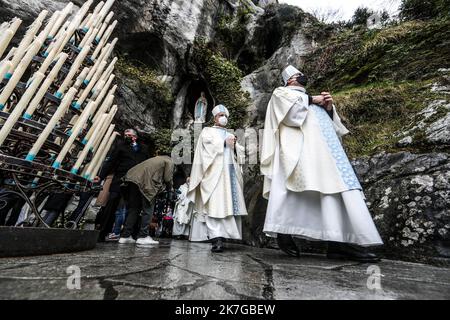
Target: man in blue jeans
{"x":121,"y":215}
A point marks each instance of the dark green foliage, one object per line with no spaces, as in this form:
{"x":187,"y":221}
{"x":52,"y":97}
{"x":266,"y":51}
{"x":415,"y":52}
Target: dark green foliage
{"x":407,"y":51}
{"x":374,"y":113}
{"x":424,"y":9}
{"x":162,"y":141}
{"x":162,"y":99}
{"x":223,"y":78}
{"x":231,"y":33}
{"x":361,"y":15}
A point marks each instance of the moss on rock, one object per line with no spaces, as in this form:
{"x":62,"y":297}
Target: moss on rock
{"x":162,"y":100}
{"x":375,"y":113}
{"x":224,"y":81}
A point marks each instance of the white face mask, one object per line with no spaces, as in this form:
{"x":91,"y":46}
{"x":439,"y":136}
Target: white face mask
{"x":223,"y":121}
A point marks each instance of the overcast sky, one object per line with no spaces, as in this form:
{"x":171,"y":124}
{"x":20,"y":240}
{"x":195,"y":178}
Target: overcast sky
{"x":347,"y":7}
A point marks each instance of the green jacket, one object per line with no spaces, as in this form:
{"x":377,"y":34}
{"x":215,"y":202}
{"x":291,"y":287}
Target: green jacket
{"x":151,"y":175}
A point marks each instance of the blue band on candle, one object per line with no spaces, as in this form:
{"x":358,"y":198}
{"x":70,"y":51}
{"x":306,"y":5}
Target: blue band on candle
{"x":86,"y":82}
{"x":56,"y":164}
{"x":58,"y":94}
{"x":1,"y":106}
{"x":8,"y":75}
{"x":27,"y":116}
{"x":49,"y":37}
{"x":30,"y":157}
{"x":76,"y":105}
{"x":52,"y":157}
{"x":33,"y":184}
{"x":46,"y":54}
{"x":85,"y":29}
{"x":74,"y":170}
{"x":91,"y":148}
{"x":69,"y":133}
{"x":97,"y":39}
{"x":84,"y":141}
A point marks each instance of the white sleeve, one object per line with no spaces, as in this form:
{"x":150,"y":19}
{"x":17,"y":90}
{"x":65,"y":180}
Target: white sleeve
{"x":297,"y":114}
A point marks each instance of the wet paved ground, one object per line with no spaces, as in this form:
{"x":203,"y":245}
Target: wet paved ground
{"x":182,"y":270}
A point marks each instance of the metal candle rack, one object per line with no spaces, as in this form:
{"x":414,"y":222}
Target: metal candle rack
{"x":30,"y":176}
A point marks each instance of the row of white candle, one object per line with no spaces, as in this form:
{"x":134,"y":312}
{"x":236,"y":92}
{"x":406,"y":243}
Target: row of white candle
{"x":101,"y":135}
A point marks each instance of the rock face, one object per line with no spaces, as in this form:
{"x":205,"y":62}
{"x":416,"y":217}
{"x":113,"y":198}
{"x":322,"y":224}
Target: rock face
{"x":409,"y":196}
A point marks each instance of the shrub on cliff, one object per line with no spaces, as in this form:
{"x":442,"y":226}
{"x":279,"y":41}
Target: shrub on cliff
{"x":223,"y":78}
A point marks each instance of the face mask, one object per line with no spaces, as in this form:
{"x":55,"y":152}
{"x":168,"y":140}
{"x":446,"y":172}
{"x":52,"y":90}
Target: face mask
{"x":223,"y":121}
{"x":302,"y":79}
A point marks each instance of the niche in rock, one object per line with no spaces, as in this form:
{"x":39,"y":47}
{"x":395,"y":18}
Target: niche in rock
{"x":151,"y":50}
{"x":193,"y":93}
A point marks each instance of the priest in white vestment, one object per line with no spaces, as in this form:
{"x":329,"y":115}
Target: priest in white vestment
{"x":182,"y":213}
{"x":216,"y":184}
{"x":312,"y":189}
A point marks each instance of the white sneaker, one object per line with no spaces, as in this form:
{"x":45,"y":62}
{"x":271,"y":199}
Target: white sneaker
{"x":127,"y":240}
{"x":146,"y":240}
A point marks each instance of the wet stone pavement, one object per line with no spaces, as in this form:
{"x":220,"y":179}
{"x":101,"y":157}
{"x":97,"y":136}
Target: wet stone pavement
{"x":177,"y":269}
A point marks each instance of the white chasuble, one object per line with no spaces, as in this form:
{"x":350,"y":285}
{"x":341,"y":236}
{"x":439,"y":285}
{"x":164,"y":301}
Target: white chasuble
{"x":216,"y":187}
{"x":312,"y":188}
{"x":182,"y":213}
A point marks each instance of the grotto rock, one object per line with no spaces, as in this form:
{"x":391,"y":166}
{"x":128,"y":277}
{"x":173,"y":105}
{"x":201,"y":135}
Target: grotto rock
{"x":409,"y":196}
{"x":280,"y":48}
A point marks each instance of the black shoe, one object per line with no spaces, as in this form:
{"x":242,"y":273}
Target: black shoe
{"x":217,"y":245}
{"x":287,"y":245}
{"x":337,"y":250}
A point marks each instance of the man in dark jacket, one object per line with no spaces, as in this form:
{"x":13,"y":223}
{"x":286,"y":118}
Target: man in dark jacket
{"x":123,"y":157}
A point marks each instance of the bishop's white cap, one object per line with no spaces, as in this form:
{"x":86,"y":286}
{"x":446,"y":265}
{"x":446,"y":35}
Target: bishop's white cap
{"x":220,"y":108}
{"x":288,"y":72}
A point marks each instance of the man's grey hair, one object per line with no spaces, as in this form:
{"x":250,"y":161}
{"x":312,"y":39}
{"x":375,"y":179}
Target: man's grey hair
{"x":132,"y":131}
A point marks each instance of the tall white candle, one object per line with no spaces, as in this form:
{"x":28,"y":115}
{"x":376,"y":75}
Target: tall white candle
{"x":100,"y":132}
{"x":104,"y":90}
{"x":106,"y":8}
{"x":27,"y":40}
{"x":104,"y":26}
{"x":47,"y":83}
{"x":61,"y":33}
{"x":99,"y":162}
{"x":75,"y":132}
{"x":8,"y":34}
{"x":64,"y":13}
{"x":21,"y":105}
{"x":23,"y":65}
{"x":97,"y":89}
{"x":91,"y":84}
{"x":104,"y":39}
{"x":60,"y":111}
{"x":94,"y":17}
{"x":84,"y":9}
{"x":81,"y":78}
{"x":52,"y":54}
{"x":100,"y":155}
{"x":10,"y":54}
{"x":18,"y":73}
{"x":4,"y":68}
{"x":105,"y":105}
{"x":90,"y":35}
{"x":70,"y":31}
{"x":75,"y":67}
{"x":109,"y":70}
{"x":85,"y":21}
{"x":94,"y":68}
{"x":111,"y":114}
